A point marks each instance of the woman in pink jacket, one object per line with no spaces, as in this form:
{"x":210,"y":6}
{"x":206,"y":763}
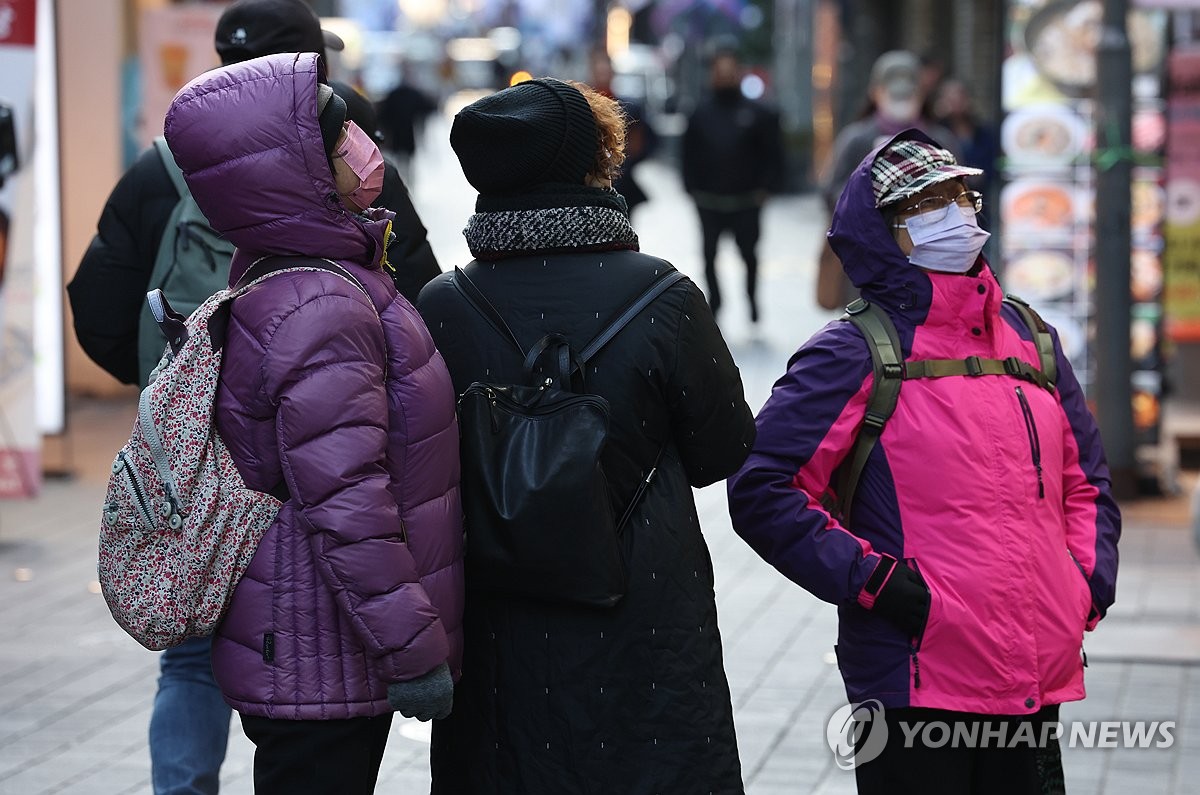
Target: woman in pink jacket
{"x":982,"y":538}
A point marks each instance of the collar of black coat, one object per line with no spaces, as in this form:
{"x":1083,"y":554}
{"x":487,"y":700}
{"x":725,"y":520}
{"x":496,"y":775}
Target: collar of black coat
{"x":552,"y":218}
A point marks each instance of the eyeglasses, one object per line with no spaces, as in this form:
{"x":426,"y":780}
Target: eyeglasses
{"x":968,"y":199}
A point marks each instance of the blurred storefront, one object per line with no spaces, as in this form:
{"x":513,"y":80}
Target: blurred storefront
{"x":1052,"y":160}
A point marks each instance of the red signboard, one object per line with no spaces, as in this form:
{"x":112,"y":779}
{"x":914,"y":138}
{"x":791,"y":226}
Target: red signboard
{"x":18,"y":22}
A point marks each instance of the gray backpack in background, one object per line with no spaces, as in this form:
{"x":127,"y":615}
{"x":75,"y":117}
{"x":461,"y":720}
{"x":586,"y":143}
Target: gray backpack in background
{"x":192,"y":263}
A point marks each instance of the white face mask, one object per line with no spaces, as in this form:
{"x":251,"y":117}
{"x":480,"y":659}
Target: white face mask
{"x":899,"y":110}
{"x":947,"y":240}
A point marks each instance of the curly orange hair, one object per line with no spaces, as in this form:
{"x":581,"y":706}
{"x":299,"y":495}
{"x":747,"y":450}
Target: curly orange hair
{"x":610,"y":132}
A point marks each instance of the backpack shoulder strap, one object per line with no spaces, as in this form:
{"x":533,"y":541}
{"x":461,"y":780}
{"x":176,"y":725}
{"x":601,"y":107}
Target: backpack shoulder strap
{"x":1041,"y":337}
{"x":173,"y":171}
{"x":271,"y":265}
{"x":484,"y":307}
{"x":480,"y":302}
{"x":886,"y":355}
{"x":626,"y":315}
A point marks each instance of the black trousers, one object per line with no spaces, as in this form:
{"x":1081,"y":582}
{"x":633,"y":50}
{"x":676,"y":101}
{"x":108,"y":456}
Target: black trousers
{"x":744,"y":224}
{"x":938,"y":767}
{"x":317,"y":757}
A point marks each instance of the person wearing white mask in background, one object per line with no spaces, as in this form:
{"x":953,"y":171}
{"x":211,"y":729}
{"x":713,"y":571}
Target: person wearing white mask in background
{"x":894,"y":103}
{"x":978,"y":540}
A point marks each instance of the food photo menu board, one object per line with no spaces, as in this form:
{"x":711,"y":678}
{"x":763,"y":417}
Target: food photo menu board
{"x":1048,"y":165}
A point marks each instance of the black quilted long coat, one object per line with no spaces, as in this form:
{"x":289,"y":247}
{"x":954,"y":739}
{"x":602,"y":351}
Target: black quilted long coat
{"x":631,"y":700}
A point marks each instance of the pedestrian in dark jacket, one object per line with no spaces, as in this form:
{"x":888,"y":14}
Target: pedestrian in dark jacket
{"x":732,"y":161}
{"x":555,"y":698}
{"x":982,"y":536}
{"x":410,"y":255}
{"x":351,"y":605}
{"x":108,"y":290}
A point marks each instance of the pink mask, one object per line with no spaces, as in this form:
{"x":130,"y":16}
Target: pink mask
{"x":361,"y":154}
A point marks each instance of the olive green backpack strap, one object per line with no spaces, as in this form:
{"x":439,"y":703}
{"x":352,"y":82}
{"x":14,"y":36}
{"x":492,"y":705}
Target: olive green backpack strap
{"x":886,"y":363}
{"x":1041,"y":337}
{"x":973,"y":366}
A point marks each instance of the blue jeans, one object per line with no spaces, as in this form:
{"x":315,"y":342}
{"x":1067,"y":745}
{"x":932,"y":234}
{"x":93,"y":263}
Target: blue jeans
{"x":189,"y":727}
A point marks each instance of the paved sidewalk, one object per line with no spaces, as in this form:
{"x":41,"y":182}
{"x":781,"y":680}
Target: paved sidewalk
{"x":75,"y":691}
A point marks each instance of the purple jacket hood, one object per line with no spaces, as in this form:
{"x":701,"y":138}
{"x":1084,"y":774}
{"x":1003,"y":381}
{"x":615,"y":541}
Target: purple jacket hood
{"x":258,"y":120}
{"x":869,"y":254}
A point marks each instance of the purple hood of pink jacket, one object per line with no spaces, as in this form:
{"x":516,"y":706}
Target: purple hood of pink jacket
{"x":995,"y":489}
{"x":337,"y":396}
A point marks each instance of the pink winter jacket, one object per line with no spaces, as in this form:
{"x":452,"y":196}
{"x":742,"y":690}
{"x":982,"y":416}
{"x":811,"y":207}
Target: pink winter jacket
{"x":995,"y":489}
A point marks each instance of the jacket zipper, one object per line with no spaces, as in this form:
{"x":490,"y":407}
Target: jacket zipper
{"x":135,"y":488}
{"x":1035,"y":443}
{"x":174,"y":504}
{"x":914,"y":643}
{"x":1082,"y":651}
{"x":505,"y":403}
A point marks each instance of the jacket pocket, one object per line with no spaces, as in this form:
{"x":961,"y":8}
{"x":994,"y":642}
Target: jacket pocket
{"x":1035,"y":442}
{"x":914,"y":643}
{"x":1087,"y":587}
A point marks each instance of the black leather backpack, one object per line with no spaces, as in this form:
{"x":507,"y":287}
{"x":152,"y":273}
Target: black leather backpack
{"x":539,"y":516}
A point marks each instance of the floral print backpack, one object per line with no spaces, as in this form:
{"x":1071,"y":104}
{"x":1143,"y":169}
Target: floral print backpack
{"x":179,"y":527}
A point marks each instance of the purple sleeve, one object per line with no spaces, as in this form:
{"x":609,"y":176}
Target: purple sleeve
{"x":1093,"y":521}
{"x":805,"y":430}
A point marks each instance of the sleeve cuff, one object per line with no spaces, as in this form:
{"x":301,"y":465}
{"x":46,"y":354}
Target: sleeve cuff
{"x":878,"y":579}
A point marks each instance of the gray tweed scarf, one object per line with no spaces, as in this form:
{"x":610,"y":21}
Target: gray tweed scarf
{"x":549,"y":219}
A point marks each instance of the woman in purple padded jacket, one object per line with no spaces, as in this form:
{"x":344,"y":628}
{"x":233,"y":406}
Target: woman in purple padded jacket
{"x":352,"y":605}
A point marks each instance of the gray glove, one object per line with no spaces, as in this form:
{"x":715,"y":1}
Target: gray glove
{"x":428,"y":696}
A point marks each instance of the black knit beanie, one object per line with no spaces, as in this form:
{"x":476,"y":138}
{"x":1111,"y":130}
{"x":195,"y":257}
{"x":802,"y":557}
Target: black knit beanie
{"x":534,"y":132}
{"x":331,"y":115}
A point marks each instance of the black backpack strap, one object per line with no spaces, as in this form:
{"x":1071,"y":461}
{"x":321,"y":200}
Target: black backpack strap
{"x":624,"y":317}
{"x":172,"y":323}
{"x":1041,"y":338}
{"x":886,"y":356}
{"x":483,"y":306}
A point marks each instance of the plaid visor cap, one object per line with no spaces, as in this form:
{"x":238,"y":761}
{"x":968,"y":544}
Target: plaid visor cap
{"x":908,"y":167}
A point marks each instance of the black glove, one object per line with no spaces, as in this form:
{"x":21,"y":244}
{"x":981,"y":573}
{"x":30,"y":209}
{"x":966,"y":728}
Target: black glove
{"x":904,"y":598}
{"x":428,"y":696}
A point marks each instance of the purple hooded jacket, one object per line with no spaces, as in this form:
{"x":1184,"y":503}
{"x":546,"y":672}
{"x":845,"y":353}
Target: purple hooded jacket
{"x":342,"y":399}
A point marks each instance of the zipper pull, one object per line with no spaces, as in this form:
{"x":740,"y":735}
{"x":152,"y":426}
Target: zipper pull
{"x":912,"y":651}
{"x":1041,"y":483}
{"x":492,"y":412}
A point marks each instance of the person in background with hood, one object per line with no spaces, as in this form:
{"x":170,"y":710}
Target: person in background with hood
{"x":330,"y":392}
{"x":983,"y":532}
{"x":562,"y":699}
{"x":895,"y":100}
{"x":732,"y":161}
